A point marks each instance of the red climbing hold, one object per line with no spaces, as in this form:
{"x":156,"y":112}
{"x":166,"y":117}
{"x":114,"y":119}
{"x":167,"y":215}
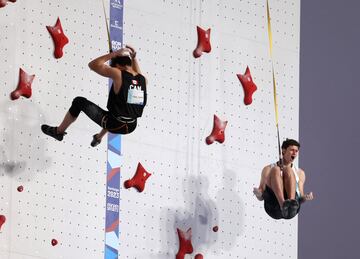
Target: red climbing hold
{"x":54,"y":242}
{"x":185,"y":246}
{"x":24,"y":86}
{"x":20,"y":188}
{"x":3,"y":3}
{"x":59,"y":38}
{"x":139,"y":179}
{"x":218,"y":131}
{"x":199,"y":256}
{"x":216,"y":229}
{"x":248,"y":86}
{"x":203,"y":44}
{"x":2,"y":220}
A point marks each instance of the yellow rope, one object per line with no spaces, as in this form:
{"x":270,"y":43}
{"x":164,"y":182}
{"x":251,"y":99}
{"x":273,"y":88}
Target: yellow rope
{"x":107,"y":27}
{"x":273,"y":76}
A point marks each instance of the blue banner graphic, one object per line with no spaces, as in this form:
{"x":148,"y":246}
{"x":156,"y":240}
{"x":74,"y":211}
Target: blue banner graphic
{"x":114,"y":148}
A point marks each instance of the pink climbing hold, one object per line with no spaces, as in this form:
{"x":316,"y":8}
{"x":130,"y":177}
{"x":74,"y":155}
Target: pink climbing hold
{"x":199,"y":256}
{"x":24,"y":86}
{"x":185,"y":245}
{"x":54,"y":242}
{"x":218,"y":131}
{"x":2,"y":220}
{"x":20,"y":188}
{"x":59,"y":38}
{"x":203,"y":44}
{"x":248,"y":86}
{"x":3,"y":3}
{"x":139,"y":179}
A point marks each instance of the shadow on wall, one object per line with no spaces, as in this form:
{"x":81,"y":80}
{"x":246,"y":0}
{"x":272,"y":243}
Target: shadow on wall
{"x":200,"y":214}
{"x":22,"y":149}
{"x":231,"y":213}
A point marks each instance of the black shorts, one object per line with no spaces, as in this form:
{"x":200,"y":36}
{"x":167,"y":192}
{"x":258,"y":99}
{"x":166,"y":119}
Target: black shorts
{"x":271,"y":204}
{"x":117,"y":125}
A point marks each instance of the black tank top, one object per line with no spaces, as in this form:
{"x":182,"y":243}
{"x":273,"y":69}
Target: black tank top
{"x":131,"y":99}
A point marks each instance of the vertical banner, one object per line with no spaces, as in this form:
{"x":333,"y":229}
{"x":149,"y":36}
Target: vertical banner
{"x":114,"y":149}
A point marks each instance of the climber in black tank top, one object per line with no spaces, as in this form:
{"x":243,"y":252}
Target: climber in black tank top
{"x":131,"y":99}
{"x":127,"y":97}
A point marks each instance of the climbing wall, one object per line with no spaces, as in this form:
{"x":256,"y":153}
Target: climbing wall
{"x":192,"y":184}
{"x":195,"y":185}
{"x":63,"y":195}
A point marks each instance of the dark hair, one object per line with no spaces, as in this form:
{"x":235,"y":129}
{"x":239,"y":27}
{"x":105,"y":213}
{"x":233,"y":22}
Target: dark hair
{"x":290,"y":142}
{"x":122,"y":61}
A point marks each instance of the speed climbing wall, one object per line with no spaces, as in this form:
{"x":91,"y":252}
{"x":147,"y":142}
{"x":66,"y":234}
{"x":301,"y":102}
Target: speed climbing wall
{"x":192,"y":184}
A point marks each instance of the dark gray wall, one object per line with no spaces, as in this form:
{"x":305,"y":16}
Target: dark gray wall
{"x":329,"y":227}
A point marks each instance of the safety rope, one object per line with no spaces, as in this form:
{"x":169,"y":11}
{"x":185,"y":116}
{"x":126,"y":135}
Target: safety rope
{"x":273,"y":76}
{"x":107,"y":27}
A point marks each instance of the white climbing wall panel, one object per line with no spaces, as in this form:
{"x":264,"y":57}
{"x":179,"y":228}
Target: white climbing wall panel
{"x":64,"y":183}
{"x":195,"y":185}
{"x":192,"y":184}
